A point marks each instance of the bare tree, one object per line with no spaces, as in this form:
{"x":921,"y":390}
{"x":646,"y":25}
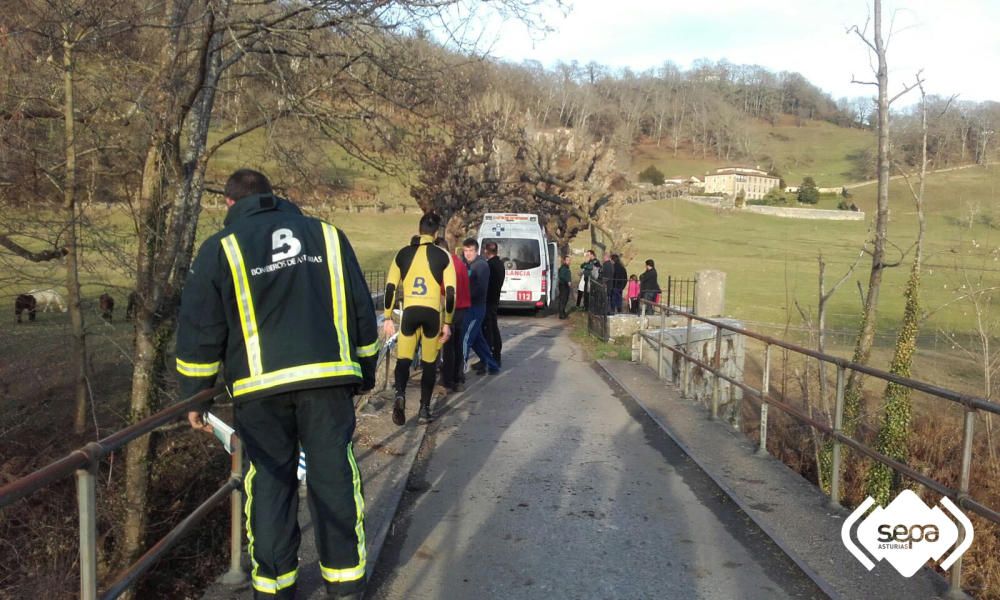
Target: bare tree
{"x":62,"y":27}
{"x":207,"y":47}
{"x":866,"y":336}
{"x":562,"y":175}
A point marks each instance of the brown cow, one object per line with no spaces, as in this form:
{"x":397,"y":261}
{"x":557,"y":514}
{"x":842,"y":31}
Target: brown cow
{"x":107,"y":304}
{"x":25,"y":302}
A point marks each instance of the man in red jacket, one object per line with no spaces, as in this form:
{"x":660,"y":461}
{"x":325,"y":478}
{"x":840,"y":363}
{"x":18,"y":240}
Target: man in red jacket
{"x":452,"y":374}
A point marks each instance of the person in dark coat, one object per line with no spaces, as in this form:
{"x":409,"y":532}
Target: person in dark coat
{"x":605,"y":278}
{"x":491,"y":325}
{"x":479,"y":282}
{"x":588,"y":273}
{"x":277,"y":303}
{"x":618,"y":282}
{"x":565,"y":281}
{"x":649,"y":287}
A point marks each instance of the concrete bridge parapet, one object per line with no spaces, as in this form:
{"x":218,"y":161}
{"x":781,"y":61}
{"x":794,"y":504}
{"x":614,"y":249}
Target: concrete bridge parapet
{"x":700,"y":345}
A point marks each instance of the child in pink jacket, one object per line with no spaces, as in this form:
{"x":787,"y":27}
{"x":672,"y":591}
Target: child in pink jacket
{"x":633,"y":295}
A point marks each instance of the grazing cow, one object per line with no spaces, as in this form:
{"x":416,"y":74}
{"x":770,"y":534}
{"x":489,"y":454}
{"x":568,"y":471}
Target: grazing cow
{"x":107,"y":304}
{"x":131,"y":306}
{"x":49,"y":299}
{"x":25,"y":302}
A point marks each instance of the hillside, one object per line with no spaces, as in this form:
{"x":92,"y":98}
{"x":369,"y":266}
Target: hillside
{"x":819,"y":149}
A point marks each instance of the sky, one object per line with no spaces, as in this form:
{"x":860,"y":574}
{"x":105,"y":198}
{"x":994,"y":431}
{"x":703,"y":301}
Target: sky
{"x":955,"y":42}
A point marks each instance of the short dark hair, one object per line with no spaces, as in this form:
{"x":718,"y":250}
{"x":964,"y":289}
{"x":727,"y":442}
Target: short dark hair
{"x":490,"y":248}
{"x":440,"y":242}
{"x":470,"y":243}
{"x":430,"y":223}
{"x":246,"y":182}
{"x":650,"y":263}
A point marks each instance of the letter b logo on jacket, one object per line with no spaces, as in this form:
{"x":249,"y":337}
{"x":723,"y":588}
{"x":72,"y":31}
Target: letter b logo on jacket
{"x":284,"y":241}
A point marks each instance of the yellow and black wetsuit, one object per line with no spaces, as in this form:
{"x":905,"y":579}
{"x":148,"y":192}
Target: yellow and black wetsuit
{"x":421,"y":276}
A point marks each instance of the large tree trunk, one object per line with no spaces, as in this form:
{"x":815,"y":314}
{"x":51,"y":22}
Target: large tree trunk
{"x":137,"y":456}
{"x":144,"y":386}
{"x":166,"y":240}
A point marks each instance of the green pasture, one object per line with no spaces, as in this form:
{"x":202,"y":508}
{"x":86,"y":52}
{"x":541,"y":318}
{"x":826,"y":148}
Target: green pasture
{"x":771,"y":262}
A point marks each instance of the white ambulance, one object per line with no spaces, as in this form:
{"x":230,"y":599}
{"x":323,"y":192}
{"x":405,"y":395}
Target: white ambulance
{"x":528,"y":257}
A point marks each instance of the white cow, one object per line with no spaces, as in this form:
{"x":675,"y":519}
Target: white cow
{"x":47,"y":298}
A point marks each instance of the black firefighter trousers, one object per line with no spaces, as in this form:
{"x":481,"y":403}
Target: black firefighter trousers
{"x":321,"y":420}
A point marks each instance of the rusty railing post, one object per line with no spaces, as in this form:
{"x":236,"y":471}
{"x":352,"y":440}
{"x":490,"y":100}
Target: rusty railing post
{"x":235,"y":575}
{"x":968,"y":436}
{"x":686,"y":373}
{"x":642,"y":326}
{"x":736,"y":403}
{"x":659,"y":349}
{"x":86,"y":500}
{"x":716,"y":380}
{"x":838,"y":425}
{"x":765,"y":389}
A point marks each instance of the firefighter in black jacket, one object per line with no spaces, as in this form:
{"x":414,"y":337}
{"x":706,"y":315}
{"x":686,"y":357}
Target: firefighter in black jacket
{"x":280,"y":300}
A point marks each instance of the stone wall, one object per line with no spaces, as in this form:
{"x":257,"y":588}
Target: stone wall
{"x":780,"y":211}
{"x":808,"y":213}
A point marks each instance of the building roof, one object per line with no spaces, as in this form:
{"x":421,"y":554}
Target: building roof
{"x":741,"y":171}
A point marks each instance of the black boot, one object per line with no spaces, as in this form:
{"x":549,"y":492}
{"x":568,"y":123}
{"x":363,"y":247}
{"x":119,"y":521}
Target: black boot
{"x":426,"y":416}
{"x":336,"y":591}
{"x":399,"y":409}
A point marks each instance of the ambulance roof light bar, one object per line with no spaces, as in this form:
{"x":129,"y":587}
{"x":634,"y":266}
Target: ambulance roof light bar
{"x":510,"y":217}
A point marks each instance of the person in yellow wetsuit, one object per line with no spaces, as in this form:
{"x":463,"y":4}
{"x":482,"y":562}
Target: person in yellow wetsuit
{"x":420,"y":275}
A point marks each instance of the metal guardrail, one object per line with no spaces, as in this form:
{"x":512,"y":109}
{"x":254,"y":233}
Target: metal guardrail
{"x":375,"y":281}
{"x":84,"y":462}
{"x":972,"y":404}
{"x":678,"y":293}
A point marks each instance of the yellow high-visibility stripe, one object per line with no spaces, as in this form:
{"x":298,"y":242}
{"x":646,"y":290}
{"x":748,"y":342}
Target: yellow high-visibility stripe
{"x":295,"y":374}
{"x":248,"y":488}
{"x":340,"y":575}
{"x":369,"y":350}
{"x":190,"y":369}
{"x":332,"y":239}
{"x":248,"y":318}
{"x":261,"y":583}
{"x":273,"y":586}
{"x":356,"y":572}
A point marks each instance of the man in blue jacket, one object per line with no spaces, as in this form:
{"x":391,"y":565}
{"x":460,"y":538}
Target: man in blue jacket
{"x":479,"y":283}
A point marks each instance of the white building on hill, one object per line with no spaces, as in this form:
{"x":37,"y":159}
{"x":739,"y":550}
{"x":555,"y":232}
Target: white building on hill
{"x":730,"y":180}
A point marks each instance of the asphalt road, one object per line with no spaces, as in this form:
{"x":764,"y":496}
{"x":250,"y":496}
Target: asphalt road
{"x":547,"y":481}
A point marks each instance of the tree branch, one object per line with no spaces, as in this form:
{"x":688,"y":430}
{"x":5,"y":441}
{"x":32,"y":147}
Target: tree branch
{"x":44,"y":256}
